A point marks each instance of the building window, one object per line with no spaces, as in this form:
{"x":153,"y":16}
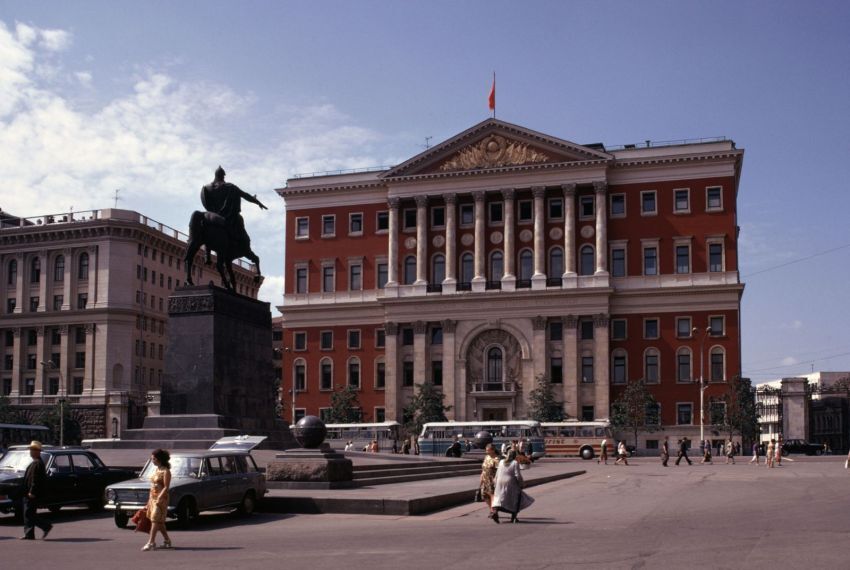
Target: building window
{"x":355,"y":224}
{"x":29,"y":386}
{"x":556,"y":330}
{"x":683,"y":327}
{"x":33,"y":304}
{"x":495,"y":213}
{"x":714,"y":199}
{"x":650,"y":261}
{"x":467,"y":268}
{"x":587,"y":369}
{"x":59,"y":269}
{"x":8,"y":362}
{"x":650,"y":328}
{"x":587,"y":413}
{"x":718,"y":367}
{"x":715,"y":257}
{"x":438,"y":268}
{"x":83,"y":267}
{"x":10,"y":305}
{"x":12,"y":276}
{"x":618,"y":368}
{"x":586,"y":328}
{"x":380,"y":338}
{"x":683,"y":365}
{"x":556,"y":370}
{"x":299,"y":413}
{"x":79,"y":360}
{"x":380,"y":375}
{"x":647,"y":203}
{"x":407,"y":374}
{"x":35,"y":270}
{"x":382,"y":275}
{"x":618,"y":329}
{"x":556,"y":208}
{"x":556,"y":262}
{"x":653,"y":418}
{"x":326,"y":340}
{"x":300,"y":279}
{"x":328,"y":279}
{"x":684,"y":414}
{"x":10,"y":338}
{"x":7,"y":386}
{"x":55,"y":338}
{"x":437,"y":372}
{"x":326,"y":375}
{"x":650,"y":366}
{"x":355,"y":277}
{"x":328,"y":225}
{"x":83,"y":300}
{"x":31,"y":361}
{"x":467,"y":214}
{"x":494,"y":365}
{"x":525,"y":210}
{"x":497,"y":266}
{"x":587,"y":262}
{"x":409,"y":218}
{"x":382,"y":221}
{"x":438,"y":217}
{"x":683,"y":259}
{"x":299,"y":376}
{"x":586,"y":207}
{"x":407,"y":336}
{"x":526,"y":265}
{"x":681,"y":201}
{"x":32,"y":336}
{"x":618,"y":262}
{"x":57,"y":302}
{"x":409,"y":270}
{"x":299,"y":340}
{"x":354,"y":339}
{"x":436,"y":335}
{"x":380,"y":415}
{"x":716,"y":326}
{"x":618,"y":205}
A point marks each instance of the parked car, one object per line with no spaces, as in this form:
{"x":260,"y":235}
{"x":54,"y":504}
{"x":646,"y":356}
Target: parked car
{"x":75,"y":476}
{"x":801,"y":446}
{"x":221,"y":478}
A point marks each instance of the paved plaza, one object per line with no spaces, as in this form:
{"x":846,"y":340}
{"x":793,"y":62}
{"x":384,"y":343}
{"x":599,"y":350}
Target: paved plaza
{"x":640,"y":516}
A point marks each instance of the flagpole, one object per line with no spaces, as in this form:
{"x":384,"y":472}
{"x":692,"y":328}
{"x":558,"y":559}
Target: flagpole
{"x":494,"y":94}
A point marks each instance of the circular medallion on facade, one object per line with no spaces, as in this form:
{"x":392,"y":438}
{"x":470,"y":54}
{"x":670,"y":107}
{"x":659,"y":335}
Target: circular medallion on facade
{"x":525,"y":236}
{"x":410,"y":243}
{"x":556,"y":233}
{"x":587,"y":232}
{"x":467,"y":239}
{"x":438,"y":241}
{"x":496,"y":238}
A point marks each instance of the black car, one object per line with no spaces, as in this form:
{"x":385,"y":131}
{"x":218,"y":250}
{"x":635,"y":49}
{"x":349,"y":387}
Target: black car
{"x":75,"y":476}
{"x":801,"y":446}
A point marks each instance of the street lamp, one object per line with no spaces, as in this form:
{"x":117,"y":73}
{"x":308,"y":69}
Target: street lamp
{"x":702,"y":384}
{"x":52,"y":366}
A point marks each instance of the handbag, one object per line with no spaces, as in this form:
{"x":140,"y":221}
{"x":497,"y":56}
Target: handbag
{"x":141,"y":520}
{"x":478,"y":498}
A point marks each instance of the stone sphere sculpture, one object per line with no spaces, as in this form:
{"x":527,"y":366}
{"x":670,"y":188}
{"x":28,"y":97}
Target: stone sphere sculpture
{"x":482,"y":438}
{"x":310,"y":432}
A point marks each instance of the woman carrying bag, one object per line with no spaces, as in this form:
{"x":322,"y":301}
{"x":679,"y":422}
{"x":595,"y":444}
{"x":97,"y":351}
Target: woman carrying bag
{"x":508,"y":495}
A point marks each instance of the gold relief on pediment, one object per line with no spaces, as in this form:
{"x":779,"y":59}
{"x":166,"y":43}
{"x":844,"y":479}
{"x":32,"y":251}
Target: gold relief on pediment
{"x":494,"y":151}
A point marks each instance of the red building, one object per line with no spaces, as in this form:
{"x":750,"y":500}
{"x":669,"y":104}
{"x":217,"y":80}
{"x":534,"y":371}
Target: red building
{"x":502,"y":255}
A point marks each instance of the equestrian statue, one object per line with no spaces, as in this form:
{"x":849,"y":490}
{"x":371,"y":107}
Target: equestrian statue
{"x":221,"y":229}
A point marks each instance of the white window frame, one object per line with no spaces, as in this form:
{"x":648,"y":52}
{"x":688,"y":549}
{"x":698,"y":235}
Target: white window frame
{"x":618,"y":244}
{"x":359,"y":339}
{"x":650,"y":244}
{"x":352,"y":263}
{"x":687,"y":210}
{"x":404,"y":227}
{"x":683,"y":241}
{"x":657,"y":364}
{"x":715,"y":240}
{"x":434,"y":225}
{"x":326,"y":360}
{"x":321,"y":332}
{"x":625,"y":329}
{"x":348,"y":363}
{"x":722,"y":350}
{"x":707,"y":207}
{"x":460,"y":209}
{"x":519,"y":219}
{"x":303,"y":413}
{"x":581,"y":199}
{"x":723,"y":330}
{"x":306,"y":268}
{"x":377,"y":330}
{"x":332,"y":266}
{"x":295,"y":335}
{"x":643,"y":332}
{"x":690,"y":327}
{"x":377,"y":223}
{"x":549,"y":215}
{"x":306,"y":235}
{"x":325,"y":217}
{"x":683,"y":350}
{"x":614,"y":354}
{"x":655,"y":196}
{"x":611,"y":213}
{"x":295,"y":363}
{"x":375,"y":412}
{"x":351,"y":220}
{"x":379,"y":360}
{"x":691,"y":404}
{"x":381,"y":260}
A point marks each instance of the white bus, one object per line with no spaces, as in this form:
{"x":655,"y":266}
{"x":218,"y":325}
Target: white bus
{"x":437,"y":436}
{"x":363,"y":434}
{"x":577,"y":438}
{"x":18,"y":434}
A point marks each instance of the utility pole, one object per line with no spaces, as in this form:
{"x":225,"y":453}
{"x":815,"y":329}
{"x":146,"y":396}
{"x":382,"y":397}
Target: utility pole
{"x":116,"y":198}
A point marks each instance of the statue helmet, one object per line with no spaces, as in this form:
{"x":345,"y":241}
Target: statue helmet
{"x":219,"y":173}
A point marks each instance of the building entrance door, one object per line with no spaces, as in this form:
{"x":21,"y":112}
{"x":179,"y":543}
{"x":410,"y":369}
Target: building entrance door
{"x":495,"y":414}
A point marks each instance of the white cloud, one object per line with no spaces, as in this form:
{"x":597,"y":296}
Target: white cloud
{"x":272,"y":291}
{"x":789,"y":361}
{"x":793,"y":325}
{"x":84,"y":77}
{"x":55,"y":40}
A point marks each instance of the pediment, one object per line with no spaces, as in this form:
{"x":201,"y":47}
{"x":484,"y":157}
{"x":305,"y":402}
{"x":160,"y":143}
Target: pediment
{"x":494,"y":144}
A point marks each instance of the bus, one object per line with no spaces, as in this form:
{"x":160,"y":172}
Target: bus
{"x":577,"y":438}
{"x":363,"y":434}
{"x":20,"y":434}
{"x":436,"y":437}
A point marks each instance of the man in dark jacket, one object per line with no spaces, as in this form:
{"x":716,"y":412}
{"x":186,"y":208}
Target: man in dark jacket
{"x":665,"y":451}
{"x":683,"y":451}
{"x":35,"y":485}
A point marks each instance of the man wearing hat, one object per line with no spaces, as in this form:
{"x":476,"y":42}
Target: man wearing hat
{"x":35,"y":483}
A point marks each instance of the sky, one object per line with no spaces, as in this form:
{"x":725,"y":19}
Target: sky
{"x":150,"y":97}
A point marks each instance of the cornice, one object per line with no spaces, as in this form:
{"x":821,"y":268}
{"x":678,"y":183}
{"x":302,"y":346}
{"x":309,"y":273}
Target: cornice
{"x":574,"y":164}
{"x":285,"y":192}
{"x":677,"y":159}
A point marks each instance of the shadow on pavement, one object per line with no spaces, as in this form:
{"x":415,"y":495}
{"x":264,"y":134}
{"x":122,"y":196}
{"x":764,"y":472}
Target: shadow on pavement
{"x":78,"y":539}
{"x":205,"y":548}
{"x":215,"y":521}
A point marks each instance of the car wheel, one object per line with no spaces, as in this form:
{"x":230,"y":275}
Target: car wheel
{"x":54,"y":509}
{"x":121,"y":519}
{"x":587,"y":453}
{"x":785,"y":453}
{"x":819,"y":452}
{"x":248,"y":504}
{"x":185,"y":512}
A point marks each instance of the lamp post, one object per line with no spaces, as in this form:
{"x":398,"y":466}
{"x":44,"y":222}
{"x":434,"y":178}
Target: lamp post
{"x":52,"y":366}
{"x":702,"y":384}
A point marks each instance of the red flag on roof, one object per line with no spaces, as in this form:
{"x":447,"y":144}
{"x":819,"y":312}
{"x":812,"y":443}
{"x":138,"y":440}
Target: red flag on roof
{"x":491,"y":100}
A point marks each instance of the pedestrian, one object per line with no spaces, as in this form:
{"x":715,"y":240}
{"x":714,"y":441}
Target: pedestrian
{"x":603,"y":452}
{"x":395,"y":445}
{"x":665,"y":451}
{"x":487,"y":481}
{"x":415,"y":445}
{"x":405,"y":447}
{"x":508,"y":495}
{"x":349,"y":446}
{"x":719,"y":448}
{"x":158,"y":500}
{"x":35,"y":487}
{"x":504,"y":450}
{"x":529,"y":450}
{"x":755,"y":453}
{"x":730,"y":452}
{"x":622,"y":453}
{"x":706,"y":452}
{"x":779,"y":445}
{"x":769,"y":456}
{"x":683,"y":452}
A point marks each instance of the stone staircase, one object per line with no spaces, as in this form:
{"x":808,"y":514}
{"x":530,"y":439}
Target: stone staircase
{"x":384,"y":474}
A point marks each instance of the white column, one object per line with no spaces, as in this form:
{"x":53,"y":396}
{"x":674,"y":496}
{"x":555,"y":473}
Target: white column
{"x":421,"y":240}
{"x":538,"y":280}
{"x":88,"y":377}
{"x":18,"y":362}
{"x":391,"y":379}
{"x":480,"y":276}
{"x":451,"y":243}
{"x":46,"y":274}
{"x":40,"y":370}
{"x":509,"y":276}
{"x":571,"y":367}
{"x":65,"y":361}
{"x":92,"y":290}
{"x":449,"y":384}
{"x":569,"y":234}
{"x":601,"y":189}
{"x":601,"y":358}
{"x":66,"y":285}
{"x":392,"y":251}
{"x":420,"y":364}
{"x":19,"y":285}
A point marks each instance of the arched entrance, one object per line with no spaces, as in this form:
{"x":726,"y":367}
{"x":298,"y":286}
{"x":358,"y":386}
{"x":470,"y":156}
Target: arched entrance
{"x":494,"y":375}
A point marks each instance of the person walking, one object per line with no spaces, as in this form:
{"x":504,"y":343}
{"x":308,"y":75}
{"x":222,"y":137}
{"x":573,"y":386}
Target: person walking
{"x":665,"y":451}
{"x":755,"y":453}
{"x":603,"y":452}
{"x":730,"y":452}
{"x":487,"y":481}
{"x":706,"y":452}
{"x":769,"y":456}
{"x":35,"y":487}
{"x":508,"y":495}
{"x":622,"y":453}
{"x":683,"y":452}
{"x":779,"y":444}
{"x":158,"y":500}
{"x":719,"y":448}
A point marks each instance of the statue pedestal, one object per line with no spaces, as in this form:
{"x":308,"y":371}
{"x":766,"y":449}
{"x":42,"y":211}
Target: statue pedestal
{"x":301,"y":468}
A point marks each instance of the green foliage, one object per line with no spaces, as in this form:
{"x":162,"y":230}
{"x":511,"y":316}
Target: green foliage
{"x":741,"y":412}
{"x":425,"y":406}
{"x":542,"y":405}
{"x":345,"y":407}
{"x":50,"y":418}
{"x":636,"y":409}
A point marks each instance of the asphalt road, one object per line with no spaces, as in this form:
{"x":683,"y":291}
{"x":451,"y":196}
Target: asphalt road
{"x":641,"y":516}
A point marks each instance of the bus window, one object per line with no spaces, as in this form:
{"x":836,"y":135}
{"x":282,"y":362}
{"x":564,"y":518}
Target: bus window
{"x":600,"y":432}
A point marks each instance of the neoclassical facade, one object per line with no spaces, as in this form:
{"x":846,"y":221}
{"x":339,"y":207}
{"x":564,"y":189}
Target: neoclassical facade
{"x":503,"y":255}
{"x":83,"y":312}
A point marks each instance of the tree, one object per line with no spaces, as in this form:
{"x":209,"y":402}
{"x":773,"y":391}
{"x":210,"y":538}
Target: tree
{"x":425,"y":406}
{"x":542,"y":406}
{"x":345,"y":407}
{"x":7,"y":414}
{"x":636,"y":409}
{"x":741,"y":412}
{"x":50,"y":418}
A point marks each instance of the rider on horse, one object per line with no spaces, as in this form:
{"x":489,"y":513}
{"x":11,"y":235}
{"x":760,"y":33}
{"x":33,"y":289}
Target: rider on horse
{"x":223,"y":201}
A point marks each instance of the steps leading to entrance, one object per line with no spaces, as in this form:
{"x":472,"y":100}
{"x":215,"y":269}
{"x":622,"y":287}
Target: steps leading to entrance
{"x":369,"y":475}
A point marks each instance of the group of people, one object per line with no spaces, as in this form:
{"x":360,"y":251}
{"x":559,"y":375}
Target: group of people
{"x":729,"y":449}
{"x":772,"y":455}
{"x":524,"y":449}
{"x":371,"y":447}
{"x":622,"y":453}
{"x":501,"y":484}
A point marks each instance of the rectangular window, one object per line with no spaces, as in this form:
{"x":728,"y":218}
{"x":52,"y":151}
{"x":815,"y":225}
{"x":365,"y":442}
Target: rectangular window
{"x":409,"y":218}
{"x":587,"y":413}
{"x":650,"y":261}
{"x":328,"y":279}
{"x":407,"y":374}
{"x":438,"y":217}
{"x":80,"y":335}
{"x":355,"y":277}
{"x":647,"y":203}
{"x":380,"y":415}
{"x":618,"y":262}
{"x":467,"y":214}
{"x":525,"y":210}
{"x":10,"y":305}
{"x":586,"y":330}
{"x":7,"y":386}
{"x":717,"y":372}
{"x":32,"y":336}
{"x":79,"y":360}
{"x":651,"y":367}
{"x":618,"y":329}
{"x":556,"y":330}
{"x":8,"y":362}
{"x":57,"y":302}
{"x":328,"y":225}
{"x":556,"y":208}
{"x":300,"y":279}
{"x":715,"y":257}
{"x":586,"y":207}
{"x":683,"y":327}
{"x":380,"y":375}
{"x":380,"y":338}
{"x":354,"y":338}
{"x":82,"y":300}
{"x":684,"y":414}
{"x":29,"y":386}
{"x":716,"y":326}
{"x":326,"y":378}
{"x":436,"y":335}
{"x":713,"y":199}
{"x":683,"y":367}
{"x":355,"y":224}
{"x":299,"y":340}
{"x":618,"y":371}
{"x":300,"y":377}
{"x":650,"y":328}
{"x":10,"y":337}
{"x":496,"y":213}
{"x":33,"y":304}
{"x":382,"y":275}
{"x":382,"y":221}
{"x":302,"y":228}
{"x":682,"y":201}
{"x":587,"y":369}
{"x":437,"y":372}
{"x":299,"y":413}
{"x":407,"y":336}
{"x":683,"y":259}
{"x":653,"y":418}
{"x":618,"y":205}
{"x":326,"y":340}
{"x":556,"y":370}
{"x":55,"y":338}
{"x":31,"y":361}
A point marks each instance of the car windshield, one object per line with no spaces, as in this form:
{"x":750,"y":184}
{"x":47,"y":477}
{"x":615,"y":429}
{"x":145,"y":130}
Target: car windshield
{"x":181,"y":467}
{"x":18,"y":460}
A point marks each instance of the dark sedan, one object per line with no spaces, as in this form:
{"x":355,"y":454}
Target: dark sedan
{"x":801,"y":446}
{"x":74,"y":477}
